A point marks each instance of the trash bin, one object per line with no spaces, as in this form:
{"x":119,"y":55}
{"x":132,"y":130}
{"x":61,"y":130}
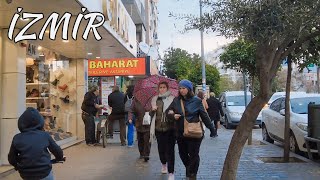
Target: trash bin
{"x":314,"y":120}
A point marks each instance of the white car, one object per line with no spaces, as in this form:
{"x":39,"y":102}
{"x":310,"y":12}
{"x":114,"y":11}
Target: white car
{"x":276,"y":95}
{"x":273,"y":120}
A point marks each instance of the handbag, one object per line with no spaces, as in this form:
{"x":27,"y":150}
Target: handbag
{"x":191,"y":130}
{"x":146,"y":119}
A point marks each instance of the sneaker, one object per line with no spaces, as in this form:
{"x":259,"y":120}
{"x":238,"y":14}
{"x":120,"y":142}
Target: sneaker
{"x":171,"y":176}
{"x":130,"y":146}
{"x":164,"y":169}
{"x":91,"y":144}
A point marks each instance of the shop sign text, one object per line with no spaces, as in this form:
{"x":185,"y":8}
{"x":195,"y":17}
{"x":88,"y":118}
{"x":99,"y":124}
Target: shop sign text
{"x":117,"y":67}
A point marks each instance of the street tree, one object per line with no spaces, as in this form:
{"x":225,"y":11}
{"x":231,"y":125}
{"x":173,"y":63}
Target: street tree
{"x":277,"y":27}
{"x":179,"y":64}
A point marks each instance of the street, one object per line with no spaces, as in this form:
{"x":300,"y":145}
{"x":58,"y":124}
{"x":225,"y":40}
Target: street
{"x":118,"y":162}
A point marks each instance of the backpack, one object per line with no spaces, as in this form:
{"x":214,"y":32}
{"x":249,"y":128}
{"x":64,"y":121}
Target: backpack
{"x":127,"y":105}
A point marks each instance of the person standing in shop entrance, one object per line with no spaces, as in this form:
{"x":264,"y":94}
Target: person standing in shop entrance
{"x":89,"y":108}
{"x":116,"y":102}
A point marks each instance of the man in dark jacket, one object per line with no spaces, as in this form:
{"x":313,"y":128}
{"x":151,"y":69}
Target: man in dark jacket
{"x":116,"y":102}
{"x":29,"y":149}
{"x":214,"y":111}
{"x":90,"y":107}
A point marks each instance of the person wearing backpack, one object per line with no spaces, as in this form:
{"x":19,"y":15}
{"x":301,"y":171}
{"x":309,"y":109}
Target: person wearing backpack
{"x":128,"y":99}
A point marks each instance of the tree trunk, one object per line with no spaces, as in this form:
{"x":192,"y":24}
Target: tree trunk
{"x":286,"y":151}
{"x":240,"y":136}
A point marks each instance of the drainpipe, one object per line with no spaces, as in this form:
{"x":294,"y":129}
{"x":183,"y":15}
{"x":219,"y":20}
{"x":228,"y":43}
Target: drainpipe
{"x":1,"y":70}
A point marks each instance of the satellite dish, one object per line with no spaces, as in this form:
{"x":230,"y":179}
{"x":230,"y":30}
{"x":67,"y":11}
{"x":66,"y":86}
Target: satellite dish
{"x":144,"y":47}
{"x":153,"y":52}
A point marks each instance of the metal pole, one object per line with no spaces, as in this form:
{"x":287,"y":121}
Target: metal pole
{"x":204,"y":86}
{"x":246,"y":103}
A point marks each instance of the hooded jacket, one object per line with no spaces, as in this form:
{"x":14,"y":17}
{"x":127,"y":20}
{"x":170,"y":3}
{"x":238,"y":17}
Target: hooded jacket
{"x":29,"y":149}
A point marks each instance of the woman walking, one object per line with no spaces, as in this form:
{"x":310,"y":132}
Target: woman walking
{"x":186,"y":110}
{"x":143,"y":130}
{"x":163,"y":128}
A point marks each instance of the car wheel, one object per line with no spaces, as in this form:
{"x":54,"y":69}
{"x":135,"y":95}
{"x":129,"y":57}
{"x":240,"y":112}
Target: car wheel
{"x":265,"y":135}
{"x":293,"y":143}
{"x":226,"y":122}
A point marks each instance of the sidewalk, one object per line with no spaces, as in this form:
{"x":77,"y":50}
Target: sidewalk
{"x":118,"y":162}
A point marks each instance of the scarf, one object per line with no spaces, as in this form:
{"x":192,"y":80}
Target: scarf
{"x":167,"y":99}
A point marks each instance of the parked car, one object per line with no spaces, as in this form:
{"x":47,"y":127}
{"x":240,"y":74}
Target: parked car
{"x":233,"y":106}
{"x":273,"y":120}
{"x":276,"y":95}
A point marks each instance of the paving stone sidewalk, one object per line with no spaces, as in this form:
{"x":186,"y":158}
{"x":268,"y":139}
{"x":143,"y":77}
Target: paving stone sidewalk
{"x":116,"y":162}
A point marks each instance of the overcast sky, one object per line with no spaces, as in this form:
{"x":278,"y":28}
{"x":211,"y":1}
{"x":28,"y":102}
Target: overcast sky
{"x":169,"y":27}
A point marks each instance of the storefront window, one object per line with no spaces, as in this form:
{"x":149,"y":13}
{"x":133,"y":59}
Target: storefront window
{"x":51,"y":89}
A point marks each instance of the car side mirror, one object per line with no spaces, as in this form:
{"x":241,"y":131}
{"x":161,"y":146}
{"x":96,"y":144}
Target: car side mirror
{"x":283,"y":112}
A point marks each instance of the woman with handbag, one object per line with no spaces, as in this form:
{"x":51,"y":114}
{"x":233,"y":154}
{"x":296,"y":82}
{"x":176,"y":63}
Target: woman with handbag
{"x":187,"y":110}
{"x":163,"y":128}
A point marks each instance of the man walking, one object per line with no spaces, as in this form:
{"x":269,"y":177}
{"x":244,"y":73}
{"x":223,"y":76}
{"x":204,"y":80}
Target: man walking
{"x":214,"y":111}
{"x":116,"y":102}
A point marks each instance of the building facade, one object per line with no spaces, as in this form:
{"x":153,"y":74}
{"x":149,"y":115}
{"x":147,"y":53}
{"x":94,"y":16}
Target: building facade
{"x":52,"y":75}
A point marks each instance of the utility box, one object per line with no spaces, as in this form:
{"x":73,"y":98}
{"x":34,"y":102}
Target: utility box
{"x":314,"y":121}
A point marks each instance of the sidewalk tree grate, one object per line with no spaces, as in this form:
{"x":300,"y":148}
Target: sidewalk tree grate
{"x":280,"y":160}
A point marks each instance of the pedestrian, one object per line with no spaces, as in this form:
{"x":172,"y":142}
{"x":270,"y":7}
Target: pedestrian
{"x":186,"y":109}
{"x":29,"y":153}
{"x":90,"y":107}
{"x":116,"y":102}
{"x":163,"y":128}
{"x":143,"y":129}
{"x":201,"y":95}
{"x":214,"y":111}
{"x":128,"y":99}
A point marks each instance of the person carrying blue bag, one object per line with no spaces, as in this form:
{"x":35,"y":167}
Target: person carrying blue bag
{"x":127,"y":108}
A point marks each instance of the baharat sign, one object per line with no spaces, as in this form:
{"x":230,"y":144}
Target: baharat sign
{"x":117,"y":67}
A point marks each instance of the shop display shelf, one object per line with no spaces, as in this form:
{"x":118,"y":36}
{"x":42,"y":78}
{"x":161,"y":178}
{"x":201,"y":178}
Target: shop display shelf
{"x":30,"y":98}
{"x":35,"y":84}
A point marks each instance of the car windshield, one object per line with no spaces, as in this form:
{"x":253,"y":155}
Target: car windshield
{"x":237,"y":100}
{"x":300,"y":105}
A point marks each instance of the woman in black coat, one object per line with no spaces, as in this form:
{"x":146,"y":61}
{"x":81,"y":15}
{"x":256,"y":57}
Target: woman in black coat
{"x":189,"y":147}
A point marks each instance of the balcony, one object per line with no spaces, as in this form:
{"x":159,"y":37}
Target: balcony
{"x":136,"y":10}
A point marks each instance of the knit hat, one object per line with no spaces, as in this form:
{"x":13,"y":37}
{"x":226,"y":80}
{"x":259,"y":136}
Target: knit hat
{"x":186,"y":83}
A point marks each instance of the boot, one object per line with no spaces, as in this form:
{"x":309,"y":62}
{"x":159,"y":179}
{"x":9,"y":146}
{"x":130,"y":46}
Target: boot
{"x":55,"y":82}
{"x":63,"y":87}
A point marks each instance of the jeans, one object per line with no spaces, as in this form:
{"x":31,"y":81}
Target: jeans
{"x":90,"y":128}
{"x":166,"y":143}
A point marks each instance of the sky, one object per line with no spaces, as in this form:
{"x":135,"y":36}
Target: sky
{"x":169,"y":27}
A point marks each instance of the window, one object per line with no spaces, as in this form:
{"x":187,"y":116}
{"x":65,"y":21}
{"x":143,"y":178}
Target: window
{"x":300,"y":105}
{"x":276,"y":105}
